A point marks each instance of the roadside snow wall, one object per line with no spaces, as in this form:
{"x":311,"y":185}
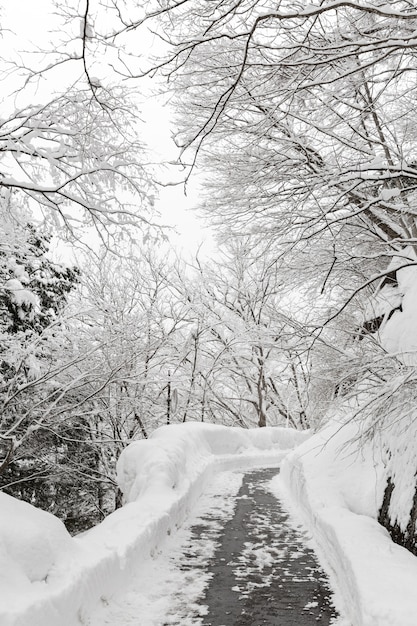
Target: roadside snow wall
{"x":337,"y":486}
{"x":48,"y":578}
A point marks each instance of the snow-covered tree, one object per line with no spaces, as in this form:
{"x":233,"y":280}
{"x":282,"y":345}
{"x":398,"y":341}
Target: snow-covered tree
{"x":113,"y":385}
{"x":70,"y":126}
{"x":245,"y":358}
{"x":303,"y":118}
{"x":315,"y":99}
{"x":33,"y":287}
{"x":33,"y":294}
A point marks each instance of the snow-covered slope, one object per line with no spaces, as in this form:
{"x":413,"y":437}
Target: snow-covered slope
{"x":48,"y":578}
{"x":338,"y":488}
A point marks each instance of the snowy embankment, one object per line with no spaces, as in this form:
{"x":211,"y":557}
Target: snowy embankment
{"x":48,"y":578}
{"x":338,"y":488}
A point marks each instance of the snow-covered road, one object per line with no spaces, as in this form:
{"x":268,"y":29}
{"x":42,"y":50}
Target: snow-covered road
{"x":237,"y":560}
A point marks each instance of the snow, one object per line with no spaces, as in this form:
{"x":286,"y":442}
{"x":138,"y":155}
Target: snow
{"x":388,"y":194}
{"x":176,"y":452}
{"x":383,"y":302}
{"x":400,"y":443}
{"x":21,"y":296}
{"x":336,"y":479}
{"x":338,"y":488}
{"x":398,"y":304}
{"x":399,"y":335}
{"x":334,"y":485}
{"x":170,"y":587}
{"x":167,"y":588}
{"x":32,"y":542}
{"x":50,"y":578}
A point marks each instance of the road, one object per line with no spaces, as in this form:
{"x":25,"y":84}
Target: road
{"x":264,"y":573}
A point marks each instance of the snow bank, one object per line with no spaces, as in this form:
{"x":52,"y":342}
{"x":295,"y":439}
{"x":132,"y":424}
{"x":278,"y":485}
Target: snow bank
{"x":31,"y":543}
{"x":174,"y":453}
{"x":48,"y":578}
{"x":338,"y":491}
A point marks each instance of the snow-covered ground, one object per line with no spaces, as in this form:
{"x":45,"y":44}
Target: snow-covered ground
{"x":48,"y":578}
{"x":337,"y":488}
{"x":170,"y":587}
{"x":167,"y":587}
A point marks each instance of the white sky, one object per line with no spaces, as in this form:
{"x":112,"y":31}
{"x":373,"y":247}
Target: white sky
{"x":175,"y":207}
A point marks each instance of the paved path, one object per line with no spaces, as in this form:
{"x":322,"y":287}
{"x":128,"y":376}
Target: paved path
{"x":263,"y":572}
{"x":237,"y":561}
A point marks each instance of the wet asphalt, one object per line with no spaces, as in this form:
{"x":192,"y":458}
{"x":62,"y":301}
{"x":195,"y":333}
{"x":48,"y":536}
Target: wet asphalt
{"x":263,"y":572}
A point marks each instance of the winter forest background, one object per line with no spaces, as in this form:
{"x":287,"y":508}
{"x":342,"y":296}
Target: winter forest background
{"x":298,"y":123}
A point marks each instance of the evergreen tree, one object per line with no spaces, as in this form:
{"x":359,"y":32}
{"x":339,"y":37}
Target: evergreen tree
{"x":33,"y":293}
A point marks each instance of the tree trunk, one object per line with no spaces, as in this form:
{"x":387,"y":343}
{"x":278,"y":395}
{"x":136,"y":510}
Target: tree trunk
{"x":169,"y":399}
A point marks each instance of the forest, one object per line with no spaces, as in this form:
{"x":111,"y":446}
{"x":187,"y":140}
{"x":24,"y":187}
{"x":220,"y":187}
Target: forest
{"x":298,"y":124}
